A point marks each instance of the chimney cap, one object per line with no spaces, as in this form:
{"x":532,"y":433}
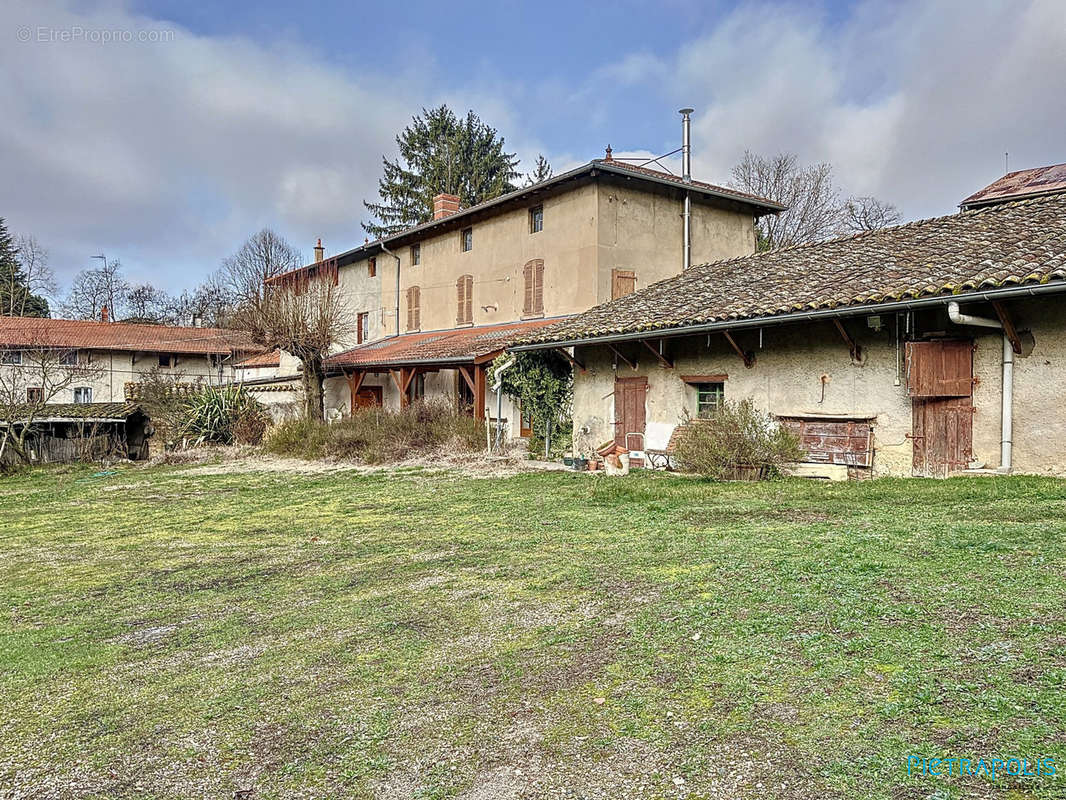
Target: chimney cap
{"x":608,"y":156}
{"x":686,"y":111}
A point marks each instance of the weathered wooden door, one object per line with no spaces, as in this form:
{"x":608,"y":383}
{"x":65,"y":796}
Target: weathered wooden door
{"x":940,"y":383}
{"x":367,"y":397}
{"x":943,"y":435}
{"x":630,"y":395}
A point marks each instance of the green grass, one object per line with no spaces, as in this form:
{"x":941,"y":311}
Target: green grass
{"x":168,"y":633}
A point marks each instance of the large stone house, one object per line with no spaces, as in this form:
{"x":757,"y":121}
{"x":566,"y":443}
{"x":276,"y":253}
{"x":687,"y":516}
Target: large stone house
{"x":434,"y":304}
{"x":927,"y":349}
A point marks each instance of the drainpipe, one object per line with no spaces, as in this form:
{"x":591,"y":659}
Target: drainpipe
{"x":497,"y":387}
{"x":686,"y":176}
{"x":387,"y":250}
{"x":1007,"y":406}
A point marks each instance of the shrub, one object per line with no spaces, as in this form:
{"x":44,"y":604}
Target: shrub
{"x":223,"y":415}
{"x":377,"y":436}
{"x":738,"y":441}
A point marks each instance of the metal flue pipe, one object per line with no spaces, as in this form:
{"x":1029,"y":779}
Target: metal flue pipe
{"x":686,"y":176}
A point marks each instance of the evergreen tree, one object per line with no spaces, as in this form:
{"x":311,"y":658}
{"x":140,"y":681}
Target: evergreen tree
{"x":439,"y":152}
{"x":16,"y":295}
{"x":542,"y":170}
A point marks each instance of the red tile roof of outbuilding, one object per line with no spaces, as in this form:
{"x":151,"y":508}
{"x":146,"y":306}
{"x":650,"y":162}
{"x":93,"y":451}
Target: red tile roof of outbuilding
{"x":23,"y":332}
{"x":448,"y":346}
{"x":1018,"y":185}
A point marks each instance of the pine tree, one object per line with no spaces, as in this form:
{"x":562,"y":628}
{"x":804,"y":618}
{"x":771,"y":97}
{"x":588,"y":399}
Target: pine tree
{"x":542,"y":170}
{"x":440,"y":152}
{"x":16,"y":297}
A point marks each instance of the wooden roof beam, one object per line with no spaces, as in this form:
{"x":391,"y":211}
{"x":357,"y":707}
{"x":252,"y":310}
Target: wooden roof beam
{"x":1008,"y":326}
{"x":747,"y":358}
{"x":856,"y":351}
{"x":631,"y":364}
{"x":658,"y":353}
{"x":573,"y":361}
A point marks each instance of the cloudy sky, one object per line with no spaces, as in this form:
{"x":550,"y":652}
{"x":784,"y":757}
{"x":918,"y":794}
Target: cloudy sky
{"x":194,"y":127}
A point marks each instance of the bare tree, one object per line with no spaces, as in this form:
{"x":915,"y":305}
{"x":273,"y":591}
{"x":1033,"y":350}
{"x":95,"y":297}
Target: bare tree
{"x":300,"y":313}
{"x":867,"y":214}
{"x":145,"y":303}
{"x":37,"y":277}
{"x":93,"y":289}
{"x":813,"y":206}
{"x":32,"y":378}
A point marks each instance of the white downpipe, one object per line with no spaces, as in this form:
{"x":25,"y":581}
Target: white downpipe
{"x":497,"y":387}
{"x":1006,"y":440}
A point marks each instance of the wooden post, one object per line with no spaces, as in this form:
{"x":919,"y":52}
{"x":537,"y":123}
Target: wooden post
{"x":479,"y":391}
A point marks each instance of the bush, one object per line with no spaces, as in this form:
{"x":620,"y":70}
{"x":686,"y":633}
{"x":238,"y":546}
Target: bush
{"x":738,"y":442}
{"x":223,"y":415}
{"x":377,"y":436}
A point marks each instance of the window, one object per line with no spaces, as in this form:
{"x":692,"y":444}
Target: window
{"x":414,"y":311}
{"x":362,"y":327}
{"x":623,"y":282}
{"x":533,"y":278}
{"x":371,"y":267}
{"x":536,"y":219}
{"x":709,"y":398}
{"x":416,"y":255}
{"x":167,"y":360}
{"x":465,"y":290}
{"x":34,"y":395}
{"x":83,"y":394}
{"x":466,"y":240}
{"x":69,"y":358}
{"x":11,"y":357}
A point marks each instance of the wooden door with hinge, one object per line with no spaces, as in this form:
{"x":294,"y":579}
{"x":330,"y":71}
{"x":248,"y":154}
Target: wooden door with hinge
{"x":630,"y":395}
{"x":940,"y":384}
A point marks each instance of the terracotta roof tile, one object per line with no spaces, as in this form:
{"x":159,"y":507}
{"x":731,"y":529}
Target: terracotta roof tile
{"x":1016,"y":243}
{"x":452,"y":345}
{"x":268,"y":358}
{"x":87,"y":334}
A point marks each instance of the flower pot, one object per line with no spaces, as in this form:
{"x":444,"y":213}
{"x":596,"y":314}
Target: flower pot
{"x":580,"y":464}
{"x":568,"y":460}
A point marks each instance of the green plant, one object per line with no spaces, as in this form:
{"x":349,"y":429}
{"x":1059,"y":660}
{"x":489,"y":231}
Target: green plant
{"x":738,"y":441}
{"x":223,"y":415}
{"x":543,"y":381}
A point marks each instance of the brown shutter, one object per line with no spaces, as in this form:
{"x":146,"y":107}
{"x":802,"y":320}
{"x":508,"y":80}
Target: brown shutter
{"x":414,"y":313}
{"x":538,"y":290}
{"x":623,"y":282}
{"x":527,"y":280}
{"x":470,"y":298}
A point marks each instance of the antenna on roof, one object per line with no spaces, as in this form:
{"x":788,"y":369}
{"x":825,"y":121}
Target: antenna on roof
{"x":1006,"y":163}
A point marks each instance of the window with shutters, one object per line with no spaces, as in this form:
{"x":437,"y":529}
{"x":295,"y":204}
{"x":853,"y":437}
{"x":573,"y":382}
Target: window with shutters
{"x":371,"y":267}
{"x":414,"y":310}
{"x":623,"y":282}
{"x":362,"y":327}
{"x":533,"y":278}
{"x":34,"y":395}
{"x":465,"y":291}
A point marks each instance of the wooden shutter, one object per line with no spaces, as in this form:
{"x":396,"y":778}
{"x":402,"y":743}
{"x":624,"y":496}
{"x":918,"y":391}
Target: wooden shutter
{"x":623,"y":282}
{"x":465,"y":293}
{"x":533,"y":279}
{"x":940,"y":368}
{"x":414,"y":312}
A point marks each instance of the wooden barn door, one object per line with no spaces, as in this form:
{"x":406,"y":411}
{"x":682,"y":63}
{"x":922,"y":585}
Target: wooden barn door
{"x":940,"y":383}
{"x":629,"y":397}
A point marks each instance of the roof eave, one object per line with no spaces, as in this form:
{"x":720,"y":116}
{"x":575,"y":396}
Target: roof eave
{"x":1052,"y":287}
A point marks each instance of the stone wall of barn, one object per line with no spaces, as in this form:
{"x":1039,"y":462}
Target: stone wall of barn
{"x":787,"y":380}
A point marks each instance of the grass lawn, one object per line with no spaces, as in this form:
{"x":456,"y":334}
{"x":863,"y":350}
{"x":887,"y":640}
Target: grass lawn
{"x":168,"y":633}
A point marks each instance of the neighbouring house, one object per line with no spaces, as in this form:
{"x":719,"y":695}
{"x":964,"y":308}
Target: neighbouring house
{"x":72,"y":384}
{"x":275,"y":386}
{"x":924,"y":349}
{"x":119,"y":353}
{"x":434,"y":304}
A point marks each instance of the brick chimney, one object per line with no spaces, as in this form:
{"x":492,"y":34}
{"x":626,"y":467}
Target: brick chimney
{"x":104,"y":316}
{"x":444,"y":205}
{"x":320,"y":251}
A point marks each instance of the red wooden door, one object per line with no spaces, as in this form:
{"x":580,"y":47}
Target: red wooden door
{"x":943,"y":436}
{"x":629,"y":418}
{"x":367,"y":397}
